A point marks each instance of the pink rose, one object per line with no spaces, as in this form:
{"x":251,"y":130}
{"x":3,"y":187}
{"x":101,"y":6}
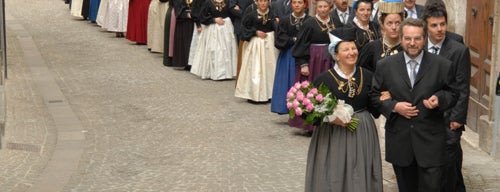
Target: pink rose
{"x":289,"y":105}
{"x":310,"y":95}
{"x":297,"y":85}
{"x":293,"y":90}
{"x":310,"y":107}
{"x":298,"y":111}
{"x":289,"y":95}
{"x":300,"y":95}
{"x":314,"y":91}
{"x":306,"y":101}
{"x":319,"y":98}
{"x":305,"y":84}
{"x":295,"y":104}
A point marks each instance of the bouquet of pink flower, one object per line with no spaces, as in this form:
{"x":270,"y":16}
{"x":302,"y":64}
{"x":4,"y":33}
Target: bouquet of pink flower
{"x":317,"y":105}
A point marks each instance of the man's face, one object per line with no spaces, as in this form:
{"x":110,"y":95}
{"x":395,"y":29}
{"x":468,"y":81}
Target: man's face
{"x":436,"y":28}
{"x":341,"y":5}
{"x":409,"y":4}
{"x":412,"y":40}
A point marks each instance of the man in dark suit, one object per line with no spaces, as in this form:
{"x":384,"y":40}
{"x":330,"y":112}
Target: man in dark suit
{"x":421,"y":88}
{"x":439,"y":43}
{"x":413,"y":10}
{"x":281,"y":8}
{"x":342,"y":14}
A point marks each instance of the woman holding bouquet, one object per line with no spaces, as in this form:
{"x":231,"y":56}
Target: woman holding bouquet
{"x":340,"y":159}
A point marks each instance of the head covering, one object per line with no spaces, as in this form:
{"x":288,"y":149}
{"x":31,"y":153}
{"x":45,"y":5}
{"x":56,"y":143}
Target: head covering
{"x":338,"y":35}
{"x":391,"y":6}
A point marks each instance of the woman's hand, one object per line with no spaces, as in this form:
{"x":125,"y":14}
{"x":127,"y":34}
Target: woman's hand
{"x":339,"y":122}
{"x":384,"y":95}
{"x":261,"y":34}
{"x":304,"y":70}
{"x":219,"y":20}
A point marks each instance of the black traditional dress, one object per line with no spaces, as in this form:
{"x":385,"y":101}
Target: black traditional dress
{"x":372,"y":52}
{"x":284,"y":77}
{"x":258,"y":59}
{"x":341,"y":160}
{"x":183,"y":33}
{"x":363,"y":37}
{"x":216,"y":52}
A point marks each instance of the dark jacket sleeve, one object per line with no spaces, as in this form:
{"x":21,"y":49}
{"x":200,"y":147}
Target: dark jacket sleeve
{"x":462,"y":79}
{"x":196,"y":9}
{"x":249,"y":29}
{"x":206,"y":17}
{"x":301,"y":49}
{"x":365,"y":59}
{"x":283,"y":40}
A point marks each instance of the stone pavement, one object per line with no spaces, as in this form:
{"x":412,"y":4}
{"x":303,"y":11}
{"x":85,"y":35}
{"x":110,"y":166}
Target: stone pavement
{"x":142,"y":126}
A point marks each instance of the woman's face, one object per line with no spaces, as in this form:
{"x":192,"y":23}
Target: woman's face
{"x":364,"y":11}
{"x":298,"y":6}
{"x":347,"y":53}
{"x":262,"y":4}
{"x":390,"y":26}
{"x":322,"y":9}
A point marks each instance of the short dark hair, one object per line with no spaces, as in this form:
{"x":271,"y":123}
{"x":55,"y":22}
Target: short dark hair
{"x":356,"y":3}
{"x":413,"y":22}
{"x":436,"y":9}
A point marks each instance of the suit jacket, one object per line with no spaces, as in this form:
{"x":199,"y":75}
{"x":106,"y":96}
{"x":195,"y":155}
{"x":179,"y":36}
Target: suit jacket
{"x":422,"y":137}
{"x":419,"y":9}
{"x":459,"y":55}
{"x":455,"y":37}
{"x":281,"y":8}
{"x":336,"y":19}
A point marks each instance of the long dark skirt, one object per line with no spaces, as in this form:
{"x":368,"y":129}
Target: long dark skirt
{"x":85,"y":9}
{"x":341,"y":160}
{"x":183,"y":36}
{"x":283,"y":80}
{"x":137,"y":25}
{"x":167,"y":61}
{"x":94,"y":8}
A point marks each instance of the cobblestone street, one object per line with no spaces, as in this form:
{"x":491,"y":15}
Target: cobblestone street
{"x":121,"y":121}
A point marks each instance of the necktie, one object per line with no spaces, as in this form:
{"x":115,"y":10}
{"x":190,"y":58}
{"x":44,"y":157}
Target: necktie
{"x":344,"y":17}
{"x":435,"y":50}
{"x":410,"y":13}
{"x":413,"y":73}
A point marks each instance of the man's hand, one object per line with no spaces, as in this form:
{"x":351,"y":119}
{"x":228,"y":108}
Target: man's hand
{"x":432,"y":102}
{"x":406,"y":110}
{"x":455,"y":125}
{"x":236,"y":8}
{"x":199,"y":29}
{"x":304,"y":70}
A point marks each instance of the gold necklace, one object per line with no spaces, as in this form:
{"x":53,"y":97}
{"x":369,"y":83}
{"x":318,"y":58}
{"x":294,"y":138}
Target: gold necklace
{"x":352,"y":87}
{"x":264,"y":16}
{"x":219,"y":4}
{"x":386,"y":49}
{"x":329,"y":26}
